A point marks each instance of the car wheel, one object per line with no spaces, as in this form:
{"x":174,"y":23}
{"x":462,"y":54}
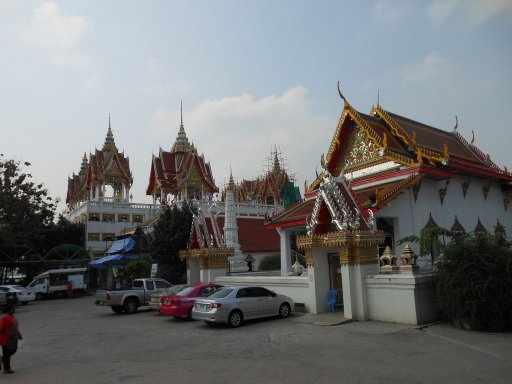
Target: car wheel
{"x":39,"y":296}
{"x":131,"y":306}
{"x":284,"y":310}
{"x":235,"y":318}
{"x":117,"y":308}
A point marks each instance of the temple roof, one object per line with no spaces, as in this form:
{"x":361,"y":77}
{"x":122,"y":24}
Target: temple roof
{"x":173,"y":170}
{"x":107,"y":165}
{"x":384,"y":154}
{"x":252,"y":235}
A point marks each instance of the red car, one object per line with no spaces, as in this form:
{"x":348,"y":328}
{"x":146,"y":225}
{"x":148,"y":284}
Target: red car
{"x":181,"y":304}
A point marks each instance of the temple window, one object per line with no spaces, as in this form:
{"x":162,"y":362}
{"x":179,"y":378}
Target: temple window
{"x":94,"y":217}
{"x":138,"y":218}
{"x":123,"y":217}
{"x":93,"y":236}
{"x":108,"y":217}
{"x":109,"y":236}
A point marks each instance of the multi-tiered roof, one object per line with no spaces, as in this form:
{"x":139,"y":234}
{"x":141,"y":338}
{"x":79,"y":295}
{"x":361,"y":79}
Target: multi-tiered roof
{"x":382,"y":154}
{"x":107,"y":166}
{"x":180,"y":172}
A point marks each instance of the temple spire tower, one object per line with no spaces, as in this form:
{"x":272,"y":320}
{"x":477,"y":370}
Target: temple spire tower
{"x":236,"y":262}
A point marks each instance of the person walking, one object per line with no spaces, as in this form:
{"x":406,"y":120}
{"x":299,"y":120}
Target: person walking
{"x":70,"y":288}
{"x":9,"y":336}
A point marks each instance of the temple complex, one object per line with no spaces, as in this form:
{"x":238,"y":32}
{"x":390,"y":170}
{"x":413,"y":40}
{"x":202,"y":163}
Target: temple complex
{"x":99,"y":197}
{"x":385,"y":177}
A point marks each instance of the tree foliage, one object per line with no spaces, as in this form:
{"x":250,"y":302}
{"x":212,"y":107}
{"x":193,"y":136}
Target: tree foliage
{"x":170,"y":235}
{"x":475,"y":282}
{"x":270,"y":262}
{"x":25,"y":207}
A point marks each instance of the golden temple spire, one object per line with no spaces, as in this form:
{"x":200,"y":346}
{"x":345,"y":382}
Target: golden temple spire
{"x":181,"y":144}
{"x":109,"y":140}
{"x":231,"y":183}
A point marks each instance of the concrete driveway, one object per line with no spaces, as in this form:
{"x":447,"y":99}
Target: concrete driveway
{"x":73,"y":341}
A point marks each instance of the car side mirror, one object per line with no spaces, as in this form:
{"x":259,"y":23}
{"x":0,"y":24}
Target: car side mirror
{"x":273,"y":294}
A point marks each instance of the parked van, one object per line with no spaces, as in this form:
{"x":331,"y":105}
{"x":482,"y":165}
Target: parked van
{"x":55,"y":281}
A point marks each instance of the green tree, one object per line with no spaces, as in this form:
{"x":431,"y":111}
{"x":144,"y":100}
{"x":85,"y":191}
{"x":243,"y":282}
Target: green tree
{"x":475,"y":282}
{"x":171,"y":234}
{"x":62,"y":232}
{"x":25,"y":207}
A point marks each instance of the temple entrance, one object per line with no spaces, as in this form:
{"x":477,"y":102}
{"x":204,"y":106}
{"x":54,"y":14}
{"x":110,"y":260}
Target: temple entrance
{"x":335,"y":282}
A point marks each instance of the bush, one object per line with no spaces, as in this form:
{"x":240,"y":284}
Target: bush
{"x":270,"y":262}
{"x":136,"y":269}
{"x":475,"y":283}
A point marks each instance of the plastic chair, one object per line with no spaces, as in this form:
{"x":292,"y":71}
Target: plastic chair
{"x":331,"y":300}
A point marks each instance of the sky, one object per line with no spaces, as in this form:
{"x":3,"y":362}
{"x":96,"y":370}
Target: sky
{"x":253,"y":76}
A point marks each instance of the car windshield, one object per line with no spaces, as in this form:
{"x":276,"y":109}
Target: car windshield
{"x":175,"y":289}
{"x":18,"y":287}
{"x":222,"y":292}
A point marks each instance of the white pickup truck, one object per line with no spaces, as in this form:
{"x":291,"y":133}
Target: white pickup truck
{"x":129,"y":300}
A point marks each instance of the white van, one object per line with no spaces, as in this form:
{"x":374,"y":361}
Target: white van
{"x":55,"y":282}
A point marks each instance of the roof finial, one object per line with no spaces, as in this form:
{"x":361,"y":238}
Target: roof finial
{"x":456,"y":123}
{"x":473,"y":139}
{"x":378,"y":96}
{"x":181,"y":113}
{"x":339,"y":92}
{"x":109,"y":121}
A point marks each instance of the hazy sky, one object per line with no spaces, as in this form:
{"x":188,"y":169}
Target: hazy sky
{"x":252,"y":75}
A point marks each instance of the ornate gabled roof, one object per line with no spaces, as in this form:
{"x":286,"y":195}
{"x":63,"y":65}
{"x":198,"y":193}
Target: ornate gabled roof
{"x":264,"y":188}
{"x":252,"y":235}
{"x":173,"y":171}
{"x":335,"y":203}
{"x":361,"y":141}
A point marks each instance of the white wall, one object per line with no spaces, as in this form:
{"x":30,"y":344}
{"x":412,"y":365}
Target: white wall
{"x":402,"y":298}
{"x":414,"y":215}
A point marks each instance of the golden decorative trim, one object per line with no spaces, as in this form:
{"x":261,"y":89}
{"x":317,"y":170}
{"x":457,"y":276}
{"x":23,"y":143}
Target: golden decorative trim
{"x":361,"y":122}
{"x":209,"y":258}
{"x":309,"y":258}
{"x":335,"y":140}
{"x":395,"y":127}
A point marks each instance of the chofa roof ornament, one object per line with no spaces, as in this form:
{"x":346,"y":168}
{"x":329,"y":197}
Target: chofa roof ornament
{"x":343,"y":208}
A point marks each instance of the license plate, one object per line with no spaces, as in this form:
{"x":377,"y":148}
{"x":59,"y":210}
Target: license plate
{"x":202,"y":307}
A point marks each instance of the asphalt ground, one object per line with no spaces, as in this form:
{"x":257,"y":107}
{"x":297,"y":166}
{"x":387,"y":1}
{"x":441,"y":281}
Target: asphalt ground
{"x":73,"y":341}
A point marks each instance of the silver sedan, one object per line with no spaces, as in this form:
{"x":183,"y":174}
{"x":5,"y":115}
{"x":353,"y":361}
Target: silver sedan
{"x":233,"y":305}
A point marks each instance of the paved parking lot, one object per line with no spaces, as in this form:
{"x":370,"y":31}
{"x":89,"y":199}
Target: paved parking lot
{"x":73,"y":341}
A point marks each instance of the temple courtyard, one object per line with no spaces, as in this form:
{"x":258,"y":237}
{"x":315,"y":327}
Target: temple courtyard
{"x":73,"y":341}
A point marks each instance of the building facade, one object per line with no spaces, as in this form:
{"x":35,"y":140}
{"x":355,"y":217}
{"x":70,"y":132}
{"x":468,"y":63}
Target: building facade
{"x":99,"y":197}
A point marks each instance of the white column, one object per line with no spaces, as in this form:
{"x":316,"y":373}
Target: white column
{"x":355,"y":300}
{"x":193,"y":272}
{"x":318,"y":275}
{"x":286,"y":251}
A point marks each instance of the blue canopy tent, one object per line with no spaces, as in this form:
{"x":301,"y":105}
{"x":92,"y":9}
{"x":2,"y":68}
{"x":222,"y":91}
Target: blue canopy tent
{"x":117,"y":255}
{"x":121,"y":246}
